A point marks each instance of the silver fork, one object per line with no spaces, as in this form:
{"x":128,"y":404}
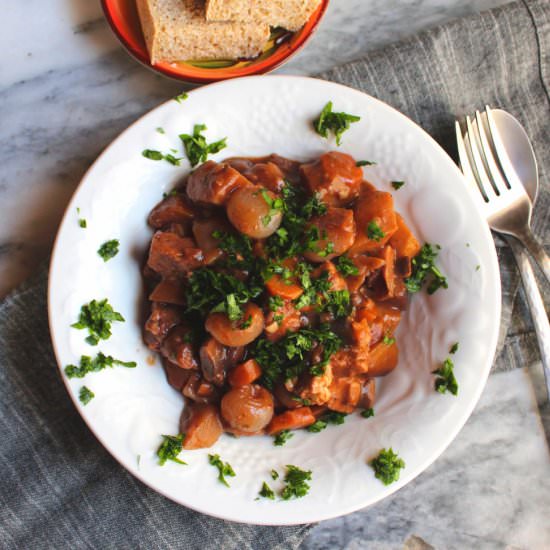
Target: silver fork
{"x":507,"y":207}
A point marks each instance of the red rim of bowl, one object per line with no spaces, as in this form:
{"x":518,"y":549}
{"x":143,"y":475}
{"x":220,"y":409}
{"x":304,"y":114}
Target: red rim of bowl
{"x":250,"y":70}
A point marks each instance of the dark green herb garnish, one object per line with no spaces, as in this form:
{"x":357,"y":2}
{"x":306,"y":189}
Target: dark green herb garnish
{"x":387,"y":466}
{"x":317,"y":426}
{"x":109,"y":249}
{"x":197,"y":148}
{"x":276,"y":206}
{"x":81,"y":221}
{"x":160,"y":130}
{"x":282,"y":437}
{"x":374,"y":231}
{"x":397,"y":184}
{"x":289,"y":356}
{"x":388,"y":340}
{"x":424,"y":270}
{"x":275,"y":302}
{"x":367,"y":413}
{"x":151,"y":154}
{"x":296,"y":485}
{"x":224,"y":468}
{"x":238,"y":249}
{"x":181,"y":97}
{"x":364,"y":163}
{"x":454,"y":348}
{"x":337,"y":123}
{"x":346,"y":267}
{"x":445,"y":380}
{"x":266,"y":491}
{"x":85,"y":395}
{"x":328,"y":418}
{"x":170,"y":448}
{"x":97,"y":317}
{"x":274,"y":474}
{"x":98,"y":363}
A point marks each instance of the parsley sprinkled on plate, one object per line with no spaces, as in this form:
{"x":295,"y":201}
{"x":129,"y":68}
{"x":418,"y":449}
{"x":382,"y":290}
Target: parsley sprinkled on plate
{"x":454,"y":348}
{"x":367,"y":413}
{"x":85,"y":395}
{"x":108,"y":249}
{"x":397,"y":184}
{"x":224,"y":468}
{"x":181,"y":97}
{"x":337,"y":123}
{"x":266,"y":491}
{"x":98,"y":363}
{"x":274,"y":474}
{"x":81,"y":221}
{"x":282,"y":437}
{"x":196,"y":147}
{"x":374,"y":231}
{"x":424,"y":271}
{"x":331,"y":417}
{"x":160,"y":130}
{"x":387,"y":466}
{"x":170,"y":448}
{"x":445,"y":380}
{"x":360,"y":163}
{"x":296,"y":485}
{"x":151,"y":154}
{"x":97,"y":317}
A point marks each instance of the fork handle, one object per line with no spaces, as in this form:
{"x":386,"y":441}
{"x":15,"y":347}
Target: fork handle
{"x":536,"y":306}
{"x":537,"y":251}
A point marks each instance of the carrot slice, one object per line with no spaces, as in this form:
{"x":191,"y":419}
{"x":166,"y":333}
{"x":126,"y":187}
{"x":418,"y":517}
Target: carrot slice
{"x":291,"y":420}
{"x":289,"y":289}
{"x":245,"y":373}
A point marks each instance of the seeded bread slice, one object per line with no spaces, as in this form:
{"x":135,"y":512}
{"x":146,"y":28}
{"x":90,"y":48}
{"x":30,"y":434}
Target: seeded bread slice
{"x":289,"y":14}
{"x":177,"y":30}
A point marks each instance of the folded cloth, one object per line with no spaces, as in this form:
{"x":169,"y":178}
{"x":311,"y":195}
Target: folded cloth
{"x":60,"y":489}
{"x":499,"y":58}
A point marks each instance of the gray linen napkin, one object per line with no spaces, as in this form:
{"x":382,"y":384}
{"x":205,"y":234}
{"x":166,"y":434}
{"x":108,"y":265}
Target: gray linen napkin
{"x":60,"y":489}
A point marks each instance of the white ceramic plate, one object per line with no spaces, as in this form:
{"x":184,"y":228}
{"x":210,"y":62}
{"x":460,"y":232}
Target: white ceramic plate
{"x":132,"y":407}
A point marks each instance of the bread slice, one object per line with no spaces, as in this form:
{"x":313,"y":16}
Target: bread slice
{"x":177,"y":30}
{"x":289,"y":14}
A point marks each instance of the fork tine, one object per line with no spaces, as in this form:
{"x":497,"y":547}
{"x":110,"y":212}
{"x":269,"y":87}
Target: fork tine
{"x":487,"y":151}
{"x":505,"y":165}
{"x":465,"y":162}
{"x":482,"y":177}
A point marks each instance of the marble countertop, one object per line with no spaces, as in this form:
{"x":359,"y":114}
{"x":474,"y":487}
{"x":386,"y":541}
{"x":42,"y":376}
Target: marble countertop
{"x":69,"y":89}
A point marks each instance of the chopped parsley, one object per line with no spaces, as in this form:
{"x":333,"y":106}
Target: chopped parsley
{"x":275,"y":303}
{"x":337,"y":123}
{"x":282,"y":437}
{"x":109,"y":249}
{"x":276,"y":206}
{"x":274,"y":474}
{"x":289,"y":356}
{"x":387,"y":466}
{"x":424,"y":270}
{"x":98,"y":363}
{"x":238,"y":249}
{"x":97,"y":317}
{"x":367,"y":413}
{"x":151,"y":154}
{"x":266,"y":491}
{"x":388,"y":340}
{"x":445,"y":380}
{"x":397,"y":184}
{"x":181,"y":97}
{"x":196,"y":147}
{"x":81,"y":221}
{"x":296,"y":485}
{"x":346,"y":267}
{"x":454,"y":348}
{"x":85,"y":395}
{"x":170,"y":448}
{"x":160,"y":130}
{"x":224,"y":468}
{"x":331,"y":417}
{"x":360,"y":163}
{"x":374,"y":231}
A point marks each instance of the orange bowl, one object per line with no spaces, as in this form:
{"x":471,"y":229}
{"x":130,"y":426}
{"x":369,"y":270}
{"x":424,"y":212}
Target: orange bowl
{"x":124,"y":20}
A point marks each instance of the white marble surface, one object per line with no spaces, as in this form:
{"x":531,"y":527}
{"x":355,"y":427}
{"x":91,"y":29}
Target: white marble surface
{"x":67,"y":89}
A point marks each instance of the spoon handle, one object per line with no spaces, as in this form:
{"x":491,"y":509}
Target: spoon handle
{"x":537,"y":251}
{"x":536,"y":306}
